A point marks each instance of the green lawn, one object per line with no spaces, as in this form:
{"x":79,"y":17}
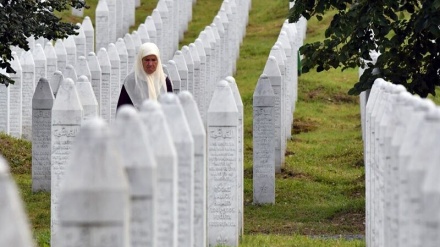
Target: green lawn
{"x":320,"y":192}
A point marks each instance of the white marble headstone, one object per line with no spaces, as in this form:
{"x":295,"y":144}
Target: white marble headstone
{"x":15,"y":101}
{"x":87,"y":98}
{"x":40,"y":63}
{"x":51,"y":59}
{"x":173,"y":75}
{"x":105,"y":92}
{"x":80,"y":41}
{"x":115,"y":82}
{"x":123,"y":57}
{"x":129,"y":44}
{"x":95,"y":71}
{"x":61,"y":52}
{"x":190,"y":66}
{"x":70,"y":45}
{"x":89,"y":32}
{"x":28,"y":66}
{"x":82,"y":68}
{"x":71,"y":73}
{"x":143,"y":33}
{"x":102,"y":25}
{"x":151,"y":28}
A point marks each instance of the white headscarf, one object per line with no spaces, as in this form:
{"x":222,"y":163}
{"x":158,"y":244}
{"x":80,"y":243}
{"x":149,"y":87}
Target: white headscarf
{"x":147,"y":86}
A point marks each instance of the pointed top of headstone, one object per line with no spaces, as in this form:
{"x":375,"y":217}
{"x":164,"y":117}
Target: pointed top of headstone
{"x":82,"y":67}
{"x":173,"y":71}
{"x":271,"y":68}
{"x":16,"y":230}
{"x":277,"y":53}
{"x":263,"y":94}
{"x":104,"y":60}
{"x":128,"y":41}
{"x":136,"y":40}
{"x":218,"y":23}
{"x":200,"y":47}
{"x":81,"y":34}
{"x":235,"y":91}
{"x":281,"y":50}
{"x":149,"y":24}
{"x":27,"y":61}
{"x":38,"y":53}
{"x":69,"y":42}
{"x":205,"y":40}
{"x":93,"y":62}
{"x":60,"y":48}
{"x":87,"y":24}
{"x":70,"y":72}
{"x":121,"y":47}
{"x":194,"y":54}
{"x":143,"y":33}
{"x":162,"y":7}
{"x":187,"y":55}
{"x":55,"y":80}
{"x":210,"y":35}
{"x":215,"y":31}
{"x":86,"y":96}
{"x":102,"y":6}
{"x":49,"y":51}
{"x":43,"y":96}
{"x":15,"y":62}
{"x":222,"y":109}
{"x":223,"y":15}
{"x":113,"y":52}
{"x":90,"y":173}
{"x":180,"y":60}
{"x":192,"y":113}
{"x":156,"y":17}
{"x":68,"y":99}
{"x":284,"y":41}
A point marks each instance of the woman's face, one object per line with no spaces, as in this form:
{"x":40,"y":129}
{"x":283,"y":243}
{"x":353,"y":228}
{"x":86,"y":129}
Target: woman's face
{"x":149,"y":63}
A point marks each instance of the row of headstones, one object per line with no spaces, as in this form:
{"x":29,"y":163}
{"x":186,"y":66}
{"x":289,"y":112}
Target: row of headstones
{"x":183,"y":208}
{"x":274,"y":105}
{"x":401,"y":168}
{"x":165,"y":27}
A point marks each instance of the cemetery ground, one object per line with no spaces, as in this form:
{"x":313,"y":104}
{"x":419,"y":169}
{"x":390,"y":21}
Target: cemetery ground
{"x":320,"y":192}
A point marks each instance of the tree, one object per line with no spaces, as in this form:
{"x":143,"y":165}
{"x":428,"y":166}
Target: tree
{"x":405,"y":32}
{"x":21,"y":19}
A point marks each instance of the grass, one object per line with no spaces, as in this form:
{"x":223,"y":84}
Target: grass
{"x":320,"y":192}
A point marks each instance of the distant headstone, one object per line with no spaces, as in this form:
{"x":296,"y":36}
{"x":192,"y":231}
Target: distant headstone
{"x":55,"y":80}
{"x":4,"y":107}
{"x":129,"y":44}
{"x":264,"y":145}
{"x":119,"y":19}
{"x":199,"y":135}
{"x":143,"y":33}
{"x":240,"y":129}
{"x":70,"y":45}
{"x":13,"y":221}
{"x":94,"y":197}
{"x":272,"y":71}
{"x":82,"y":68}
{"x":105,"y":93}
{"x":223,"y":228}
{"x":173,"y":74}
{"x":15,"y":100}
{"x":165,"y":154}
{"x":209,"y":73}
{"x":42,"y":103}
{"x":137,"y":42}
{"x":201,"y":86}
{"x":40,"y":63}
{"x":95,"y":71}
{"x":151,"y":28}
{"x":102,"y":25}
{"x":123,"y":57}
{"x":140,"y":165}
{"x":51,"y":59}
{"x":28,"y":66}
{"x":112,"y":21}
{"x":182,"y":68}
{"x":71,"y":73}
{"x":67,"y":115}
{"x":89,"y":32}
{"x":190,"y":65}
{"x":159,"y":31}
{"x":166,"y":30}
{"x":184,"y":143}
{"x":87,"y":98}
{"x":80,"y":42}
{"x":61,"y":52}
{"x":115,"y":82}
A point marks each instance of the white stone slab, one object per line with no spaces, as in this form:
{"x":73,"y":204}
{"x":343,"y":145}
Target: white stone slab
{"x":112,"y":21}
{"x":115,"y":84}
{"x":240,"y":129}
{"x":4,"y":106}
{"x":199,"y":135}
{"x":42,"y":103}
{"x":123,"y":57}
{"x":67,"y":115}
{"x":201,"y":86}
{"x":165,"y":154}
{"x":82,"y":68}
{"x":151,"y":28}
{"x":95,"y":71}
{"x":61,"y":52}
{"x":184,"y":143}
{"x":13,"y":221}
{"x":51,"y":59}
{"x":70,"y":73}
{"x":105,"y":92}
{"x":140,"y":165}
{"x":263,"y":143}
{"x":143,"y":33}
{"x":182,"y":68}
{"x":40,"y":63}
{"x":102,"y":16}
{"x":94,"y":203}
{"x":70,"y":45}
{"x":87,"y":98}
{"x":119,"y":19}
{"x":55,"y":80}
{"x":166,"y":49}
{"x":222,"y":179}
{"x":31,"y":42}
{"x":89,"y":32}
{"x":129,"y":44}
{"x":15,"y":101}
{"x":190,"y":65}
{"x":80,"y":42}
{"x":160,"y":37}
{"x":173,"y":75}
{"x":197,"y":71}
{"x":137,"y":42}
{"x":208,"y":75}
{"x":28,"y":66}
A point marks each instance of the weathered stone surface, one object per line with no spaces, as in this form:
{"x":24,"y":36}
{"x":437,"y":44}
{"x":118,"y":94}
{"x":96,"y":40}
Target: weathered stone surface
{"x":174,"y":76}
{"x":42,"y":103}
{"x":115,"y":81}
{"x":182,"y":69}
{"x":123,"y":57}
{"x":70,"y":45}
{"x":184,"y":143}
{"x":80,"y":41}
{"x":82,"y":68}
{"x":95,"y":71}
{"x":165,"y":154}
{"x":190,"y":65}
{"x":89,"y":32}
{"x":105,"y":93}
{"x":40,"y":63}
{"x":55,"y":80}
{"x":51,"y":59}
{"x":87,"y":98}
{"x":263,"y":142}
{"x":71,"y":73}
{"x":15,"y":100}
{"x":151,"y":28}
{"x":28,"y":66}
{"x":143,"y":33}
{"x":102,"y":16}
{"x":4,"y":106}
{"x":131,"y":52}
{"x":61,"y":52}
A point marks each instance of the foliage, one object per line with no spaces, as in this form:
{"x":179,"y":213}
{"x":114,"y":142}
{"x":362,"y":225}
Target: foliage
{"x":405,"y":32}
{"x":22,"y":19}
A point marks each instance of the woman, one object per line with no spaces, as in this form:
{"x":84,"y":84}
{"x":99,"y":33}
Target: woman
{"x":147,"y":80}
